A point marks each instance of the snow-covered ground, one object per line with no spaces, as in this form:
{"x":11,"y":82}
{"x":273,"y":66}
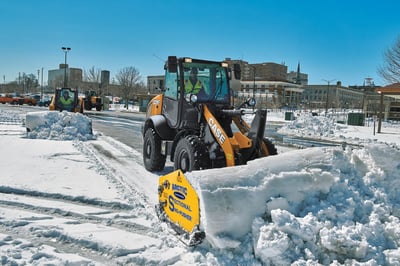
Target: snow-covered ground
{"x":89,"y":201}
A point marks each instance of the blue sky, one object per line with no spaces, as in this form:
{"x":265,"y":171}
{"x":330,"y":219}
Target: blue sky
{"x":332,"y":39}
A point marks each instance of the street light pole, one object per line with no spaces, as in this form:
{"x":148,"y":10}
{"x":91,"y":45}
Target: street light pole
{"x":327,"y":95}
{"x":66,"y":50}
{"x":41,"y":86}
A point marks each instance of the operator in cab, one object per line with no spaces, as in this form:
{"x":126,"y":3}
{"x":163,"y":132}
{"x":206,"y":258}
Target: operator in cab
{"x":66,"y":101}
{"x":194,"y":86}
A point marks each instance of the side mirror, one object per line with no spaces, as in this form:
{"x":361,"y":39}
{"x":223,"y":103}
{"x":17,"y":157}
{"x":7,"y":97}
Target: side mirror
{"x":172,"y":64}
{"x":251,"y":102}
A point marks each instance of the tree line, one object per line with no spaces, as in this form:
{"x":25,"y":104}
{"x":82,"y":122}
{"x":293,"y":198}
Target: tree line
{"x":128,"y":82}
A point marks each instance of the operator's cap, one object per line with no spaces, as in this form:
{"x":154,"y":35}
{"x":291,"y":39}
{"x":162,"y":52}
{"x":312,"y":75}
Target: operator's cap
{"x":194,"y":70}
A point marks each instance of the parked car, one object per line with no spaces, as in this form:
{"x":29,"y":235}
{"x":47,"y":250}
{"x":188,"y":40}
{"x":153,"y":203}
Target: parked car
{"x":29,"y":100}
{"x":11,"y":99}
{"x":44,"y":102}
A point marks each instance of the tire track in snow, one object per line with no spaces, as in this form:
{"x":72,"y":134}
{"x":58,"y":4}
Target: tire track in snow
{"x":88,"y":213}
{"x":123,"y":166}
{"x":52,"y":222}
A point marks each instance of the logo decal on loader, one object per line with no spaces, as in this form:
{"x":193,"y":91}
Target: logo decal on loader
{"x":179,"y":195}
{"x":172,"y":201}
{"x":216,"y":130}
{"x":180,"y":189}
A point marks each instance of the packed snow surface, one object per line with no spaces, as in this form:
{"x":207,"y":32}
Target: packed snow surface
{"x":317,"y":206}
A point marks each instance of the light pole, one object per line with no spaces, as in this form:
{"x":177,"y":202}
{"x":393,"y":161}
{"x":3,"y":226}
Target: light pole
{"x":327,"y":95}
{"x":66,"y":50}
{"x":41,"y":87}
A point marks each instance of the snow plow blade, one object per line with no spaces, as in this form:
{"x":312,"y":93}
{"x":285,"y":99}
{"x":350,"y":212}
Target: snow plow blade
{"x":179,"y":206}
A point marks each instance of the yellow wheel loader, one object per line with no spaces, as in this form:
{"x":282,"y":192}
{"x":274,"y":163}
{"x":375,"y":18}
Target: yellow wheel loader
{"x":194,"y":123}
{"x":92,"y":100}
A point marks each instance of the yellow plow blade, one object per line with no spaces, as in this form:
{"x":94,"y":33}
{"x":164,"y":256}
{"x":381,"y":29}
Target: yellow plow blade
{"x":179,"y":205}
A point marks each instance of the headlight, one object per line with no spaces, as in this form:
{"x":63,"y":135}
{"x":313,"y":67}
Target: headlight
{"x":191,"y":98}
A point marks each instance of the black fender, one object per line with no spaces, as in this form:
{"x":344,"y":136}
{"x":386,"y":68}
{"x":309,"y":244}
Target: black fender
{"x":160,"y":125}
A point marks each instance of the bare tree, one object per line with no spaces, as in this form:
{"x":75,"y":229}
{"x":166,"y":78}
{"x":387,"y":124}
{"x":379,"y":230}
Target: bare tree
{"x":28,"y":82}
{"x":130,"y":79}
{"x":92,"y":75}
{"x":390,"y":71}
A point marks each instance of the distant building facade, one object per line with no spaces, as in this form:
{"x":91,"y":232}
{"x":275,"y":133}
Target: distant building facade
{"x":73,"y":77}
{"x":268,"y":84}
{"x":155,"y":84}
{"x":261,"y":71}
{"x":336,"y":96}
{"x":271,"y":94}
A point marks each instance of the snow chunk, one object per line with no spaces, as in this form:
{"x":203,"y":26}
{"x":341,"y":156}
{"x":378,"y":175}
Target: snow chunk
{"x":58,"y":126}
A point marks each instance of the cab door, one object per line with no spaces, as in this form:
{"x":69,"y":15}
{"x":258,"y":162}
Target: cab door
{"x":170,"y":108}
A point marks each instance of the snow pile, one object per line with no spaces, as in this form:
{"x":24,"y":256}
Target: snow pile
{"x":357,"y":221}
{"x":318,"y":205}
{"x":308,"y":126}
{"x":58,"y":126}
{"x":326,"y":129}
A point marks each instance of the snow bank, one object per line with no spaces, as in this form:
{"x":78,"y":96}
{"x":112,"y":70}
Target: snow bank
{"x":326,"y":128}
{"x":313,"y":205}
{"x":309,"y":126}
{"x":58,"y":126}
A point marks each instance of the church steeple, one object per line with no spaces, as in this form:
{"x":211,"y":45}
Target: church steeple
{"x":298,"y":79}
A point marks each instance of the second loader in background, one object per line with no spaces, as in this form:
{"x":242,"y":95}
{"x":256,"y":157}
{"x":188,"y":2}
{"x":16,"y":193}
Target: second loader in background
{"x":92,"y":100}
{"x":195,"y":124}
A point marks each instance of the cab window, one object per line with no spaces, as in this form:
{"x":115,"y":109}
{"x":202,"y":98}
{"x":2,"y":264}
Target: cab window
{"x":171,"y":85}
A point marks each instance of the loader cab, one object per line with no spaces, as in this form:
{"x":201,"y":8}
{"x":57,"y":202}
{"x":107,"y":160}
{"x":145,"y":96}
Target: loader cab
{"x":66,"y":99}
{"x":189,"y":83}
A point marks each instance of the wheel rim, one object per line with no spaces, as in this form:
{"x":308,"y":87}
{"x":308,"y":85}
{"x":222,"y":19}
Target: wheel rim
{"x":184,"y":161}
{"x":148,"y":149}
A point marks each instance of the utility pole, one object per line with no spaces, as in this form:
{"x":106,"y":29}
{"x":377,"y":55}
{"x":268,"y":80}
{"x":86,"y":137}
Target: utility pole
{"x":380,"y":113}
{"x":41,"y":86}
{"x":327,"y":95}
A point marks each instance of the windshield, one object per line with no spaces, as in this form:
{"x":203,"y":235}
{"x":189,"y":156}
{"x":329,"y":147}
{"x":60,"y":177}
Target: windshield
{"x":207,"y":81}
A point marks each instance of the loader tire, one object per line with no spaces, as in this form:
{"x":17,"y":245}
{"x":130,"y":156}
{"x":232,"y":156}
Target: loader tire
{"x":153,"y":159}
{"x":270,"y":147}
{"x":185,"y":157}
